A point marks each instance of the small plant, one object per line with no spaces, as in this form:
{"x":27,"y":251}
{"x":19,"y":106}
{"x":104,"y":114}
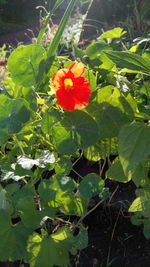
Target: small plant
{"x":54,"y":110}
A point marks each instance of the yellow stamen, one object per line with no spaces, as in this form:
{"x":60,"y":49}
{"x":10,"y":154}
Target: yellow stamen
{"x":68,"y":83}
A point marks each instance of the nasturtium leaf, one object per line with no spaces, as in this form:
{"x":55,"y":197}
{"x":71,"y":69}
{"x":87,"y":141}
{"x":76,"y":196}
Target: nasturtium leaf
{"x":63,"y":166}
{"x":13,"y":239}
{"x":30,"y":215}
{"x":62,"y":183}
{"x":138,"y":174}
{"x":13,"y":114}
{"x":5,"y":200}
{"x":116,"y":173}
{"x":73,"y":205}
{"x":110,"y":109}
{"x":58,"y":193}
{"x":30,"y":97}
{"x":114,"y":33}
{"x":12,"y":188}
{"x":80,"y":241}
{"x":91,"y":185}
{"x":24,"y":191}
{"x":48,"y":120}
{"x":50,"y":251}
{"x":26,"y":64}
{"x":52,"y":190}
{"x":129,"y":61}
{"x":76,"y":130}
{"x":134,"y":145}
{"x":46,"y":193}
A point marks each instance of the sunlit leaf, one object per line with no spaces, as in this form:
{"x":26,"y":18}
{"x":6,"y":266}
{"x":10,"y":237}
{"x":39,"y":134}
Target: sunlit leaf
{"x":13,"y":114}
{"x":26,"y":64}
{"x":114,"y":33}
{"x":50,"y":250}
{"x":110,"y":110}
{"x":63,"y":166}
{"x":116,"y":173}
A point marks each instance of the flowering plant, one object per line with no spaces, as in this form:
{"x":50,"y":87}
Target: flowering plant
{"x":72,"y":89}
{"x":52,"y":113}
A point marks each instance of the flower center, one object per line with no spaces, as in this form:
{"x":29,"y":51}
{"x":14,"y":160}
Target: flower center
{"x":68,"y":83}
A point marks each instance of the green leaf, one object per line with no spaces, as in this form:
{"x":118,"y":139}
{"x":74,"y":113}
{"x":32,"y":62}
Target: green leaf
{"x":116,"y":173}
{"x":137,"y":205}
{"x":43,"y":29}
{"x":79,"y":54}
{"x":91,"y":78}
{"x":134,"y":145}
{"x":109,"y":108}
{"x":50,"y":251}
{"x":30,"y":97}
{"x":13,"y":114}
{"x":76,"y":130}
{"x":141,"y":207}
{"x":129,"y":61}
{"x":5,"y":201}
{"x":80,"y":241}
{"x":73,"y":205}
{"x":58,"y":192}
{"x":52,"y":190}
{"x":146,"y":229}
{"x":54,"y":44}
{"x":49,"y":119}
{"x":13,"y":239}
{"x":114,"y":33}
{"x":63,"y":166}
{"x":95,"y":49}
{"x":102,"y":149}
{"x":30,"y":216}
{"x":91,"y":185}
{"x":26,"y":64}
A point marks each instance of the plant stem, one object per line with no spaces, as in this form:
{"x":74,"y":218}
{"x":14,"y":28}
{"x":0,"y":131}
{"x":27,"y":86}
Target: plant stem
{"x":88,"y":213}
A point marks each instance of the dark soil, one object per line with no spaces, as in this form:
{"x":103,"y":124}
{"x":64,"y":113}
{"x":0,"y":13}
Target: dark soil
{"x":113,"y":241}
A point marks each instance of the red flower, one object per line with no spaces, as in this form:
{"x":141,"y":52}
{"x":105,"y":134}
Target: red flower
{"x":72,"y":89}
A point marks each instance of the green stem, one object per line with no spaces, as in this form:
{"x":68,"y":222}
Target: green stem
{"x":19,"y":144}
{"x":88,"y":213}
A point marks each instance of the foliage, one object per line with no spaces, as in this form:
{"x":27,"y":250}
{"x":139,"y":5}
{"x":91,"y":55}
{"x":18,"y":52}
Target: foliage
{"x":42,"y":206}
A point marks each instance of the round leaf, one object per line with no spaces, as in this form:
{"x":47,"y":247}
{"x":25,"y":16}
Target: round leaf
{"x":76,"y":130}
{"x":91,"y":185}
{"x":25,"y":64}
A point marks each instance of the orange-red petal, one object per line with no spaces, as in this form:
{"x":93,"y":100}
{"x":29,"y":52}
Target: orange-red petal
{"x":57,"y":78}
{"x":77,"y":69}
{"x":72,"y":89}
{"x":77,"y":98}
